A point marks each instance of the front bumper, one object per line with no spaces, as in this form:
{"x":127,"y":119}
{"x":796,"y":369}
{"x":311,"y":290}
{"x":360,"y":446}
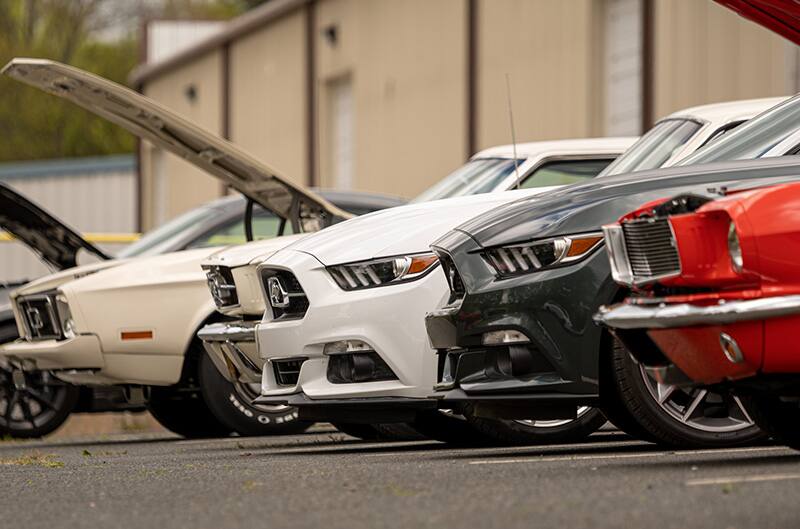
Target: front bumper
{"x":232,"y":348}
{"x":552,"y":308}
{"x":82,"y":352}
{"x":390,"y":319}
{"x":667,"y":316}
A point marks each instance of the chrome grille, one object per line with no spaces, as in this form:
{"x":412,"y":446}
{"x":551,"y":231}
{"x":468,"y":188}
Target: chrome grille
{"x":39,"y":317}
{"x":222,"y":286}
{"x":285,"y":297}
{"x":651,"y":249}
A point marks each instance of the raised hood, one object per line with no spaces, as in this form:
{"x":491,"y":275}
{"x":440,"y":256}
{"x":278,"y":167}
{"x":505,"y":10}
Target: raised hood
{"x":56,"y":243}
{"x":780,"y":16}
{"x":586,"y":207}
{"x":305,"y":210}
{"x":401,"y":230}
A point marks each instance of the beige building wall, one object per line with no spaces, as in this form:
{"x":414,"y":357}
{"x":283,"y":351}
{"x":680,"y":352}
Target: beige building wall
{"x":404,"y":65}
{"x":550,"y":51}
{"x":268,"y":95}
{"x":170,"y":185}
{"x":706,"y":53}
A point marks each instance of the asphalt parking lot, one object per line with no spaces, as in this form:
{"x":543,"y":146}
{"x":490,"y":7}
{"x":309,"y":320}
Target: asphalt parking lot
{"x":324,"y":478}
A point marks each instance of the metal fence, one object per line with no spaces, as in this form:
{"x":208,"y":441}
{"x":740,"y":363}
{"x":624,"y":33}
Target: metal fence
{"x":95,"y":195}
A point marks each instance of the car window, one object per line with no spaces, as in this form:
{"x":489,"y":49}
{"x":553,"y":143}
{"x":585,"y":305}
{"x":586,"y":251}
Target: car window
{"x":265,"y":226}
{"x":477,"y":176}
{"x":152,"y":241}
{"x":717,"y":134}
{"x":657,"y":146}
{"x":754,"y":138}
{"x":563,"y":172}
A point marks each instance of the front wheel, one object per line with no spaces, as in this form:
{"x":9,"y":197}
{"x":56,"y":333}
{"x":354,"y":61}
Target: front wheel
{"x":231,"y":404}
{"x":677,"y":416}
{"x":33,"y":403}
{"x":779,"y":418}
{"x":532,"y":432}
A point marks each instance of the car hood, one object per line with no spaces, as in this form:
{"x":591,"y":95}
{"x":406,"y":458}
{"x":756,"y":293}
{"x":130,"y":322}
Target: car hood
{"x":780,"y":16}
{"x":586,"y":207}
{"x":55,"y":242}
{"x":143,"y":117}
{"x":243,"y":254}
{"x":52,"y":281}
{"x":402,"y":230}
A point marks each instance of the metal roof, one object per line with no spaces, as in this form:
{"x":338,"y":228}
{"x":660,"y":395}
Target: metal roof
{"x":68,"y":166}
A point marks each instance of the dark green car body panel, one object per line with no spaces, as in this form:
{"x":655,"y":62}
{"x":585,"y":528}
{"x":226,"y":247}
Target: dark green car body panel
{"x":554,"y":308}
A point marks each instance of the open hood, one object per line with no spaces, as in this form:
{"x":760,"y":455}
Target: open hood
{"x":779,"y":16}
{"x":54,"y":241}
{"x":306,"y":211}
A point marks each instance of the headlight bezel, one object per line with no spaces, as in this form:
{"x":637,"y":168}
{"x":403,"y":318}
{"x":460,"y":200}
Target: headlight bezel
{"x":366,"y":274}
{"x":520,"y":259}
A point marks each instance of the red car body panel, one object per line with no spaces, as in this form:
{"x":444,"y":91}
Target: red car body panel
{"x":767,"y":223}
{"x":780,"y":16}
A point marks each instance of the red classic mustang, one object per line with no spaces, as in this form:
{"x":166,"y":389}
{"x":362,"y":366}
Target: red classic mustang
{"x":717,"y":301}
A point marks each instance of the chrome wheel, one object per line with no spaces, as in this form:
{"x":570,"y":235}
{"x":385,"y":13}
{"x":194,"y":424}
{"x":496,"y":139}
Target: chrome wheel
{"x":698,"y":408}
{"x":582,"y":410}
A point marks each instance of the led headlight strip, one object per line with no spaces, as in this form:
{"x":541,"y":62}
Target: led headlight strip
{"x":540,"y":255}
{"x":380,"y":272}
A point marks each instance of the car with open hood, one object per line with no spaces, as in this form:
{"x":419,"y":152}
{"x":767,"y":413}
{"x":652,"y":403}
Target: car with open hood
{"x":517,"y":332}
{"x":125,"y":328}
{"x":715,"y":299}
{"x":302,"y":365}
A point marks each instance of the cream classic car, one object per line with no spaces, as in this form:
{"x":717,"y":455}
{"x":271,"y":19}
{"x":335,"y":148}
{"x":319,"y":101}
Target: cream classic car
{"x":126,"y":327}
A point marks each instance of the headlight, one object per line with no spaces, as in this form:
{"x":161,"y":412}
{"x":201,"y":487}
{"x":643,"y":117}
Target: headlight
{"x":540,"y":255}
{"x":65,"y":316}
{"x":380,"y":272}
{"x":735,"y":249}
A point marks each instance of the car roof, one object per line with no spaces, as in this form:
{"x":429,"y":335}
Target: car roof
{"x":727,"y":111}
{"x":540,"y":148}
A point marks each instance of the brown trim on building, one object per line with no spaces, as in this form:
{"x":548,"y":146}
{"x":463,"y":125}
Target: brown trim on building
{"x":472,"y":76}
{"x":235,"y":29}
{"x":311,"y":93}
{"x":648,"y":63}
{"x":225,"y":100}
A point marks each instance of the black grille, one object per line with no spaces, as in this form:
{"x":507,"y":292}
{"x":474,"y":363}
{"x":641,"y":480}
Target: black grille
{"x":651,"y":248}
{"x":222,"y":286}
{"x":284,"y":294}
{"x":287,"y":371}
{"x":39,"y":315}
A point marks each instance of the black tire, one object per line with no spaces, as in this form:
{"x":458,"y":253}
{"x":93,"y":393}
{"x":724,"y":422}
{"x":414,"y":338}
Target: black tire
{"x":365,"y":432}
{"x":663,"y":428}
{"x":513,"y":432}
{"x":780,"y":419}
{"x":451,"y":429}
{"x":231,"y":405}
{"x":183,"y":411}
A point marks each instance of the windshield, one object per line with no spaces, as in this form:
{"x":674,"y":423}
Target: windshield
{"x":654,"y":148}
{"x":475,"y":177}
{"x":754,"y":138}
{"x":150,"y":242}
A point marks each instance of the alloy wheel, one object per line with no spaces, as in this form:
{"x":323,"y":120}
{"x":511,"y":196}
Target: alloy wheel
{"x":30,"y":400}
{"x":699,"y":408}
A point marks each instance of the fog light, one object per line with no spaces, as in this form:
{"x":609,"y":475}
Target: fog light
{"x":503,"y":337}
{"x":346,"y":346}
{"x":731,"y":349}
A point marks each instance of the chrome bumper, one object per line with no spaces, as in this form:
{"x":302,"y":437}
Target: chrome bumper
{"x":661,"y":316}
{"x":223,"y":342}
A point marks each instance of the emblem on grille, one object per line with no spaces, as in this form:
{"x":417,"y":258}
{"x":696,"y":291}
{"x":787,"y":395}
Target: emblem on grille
{"x":278,"y":297}
{"x":35,"y":319}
